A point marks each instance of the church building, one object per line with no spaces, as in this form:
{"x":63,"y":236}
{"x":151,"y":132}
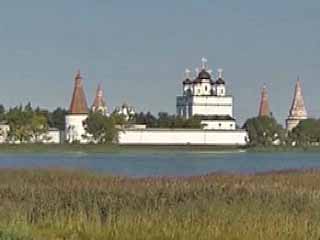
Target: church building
{"x":206,"y":97}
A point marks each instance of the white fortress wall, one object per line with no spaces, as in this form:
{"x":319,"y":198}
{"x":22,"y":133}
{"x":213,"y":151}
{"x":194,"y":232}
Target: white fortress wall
{"x":74,"y":129}
{"x":183,"y":137}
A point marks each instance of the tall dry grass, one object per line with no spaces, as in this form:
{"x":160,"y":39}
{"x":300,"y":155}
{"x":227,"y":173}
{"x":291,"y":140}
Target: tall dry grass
{"x":56,"y":204}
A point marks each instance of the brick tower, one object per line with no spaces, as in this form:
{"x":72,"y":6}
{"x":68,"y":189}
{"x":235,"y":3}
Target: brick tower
{"x":264,"y":110}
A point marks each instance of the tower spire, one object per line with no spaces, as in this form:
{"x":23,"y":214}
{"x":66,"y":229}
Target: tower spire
{"x":264,"y":110}
{"x":99,"y":103}
{"x":78,"y":103}
{"x":298,"y":110}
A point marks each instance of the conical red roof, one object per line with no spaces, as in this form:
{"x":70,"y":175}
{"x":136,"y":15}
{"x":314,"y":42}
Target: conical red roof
{"x":99,"y":102}
{"x":264,"y":110}
{"x":78,"y":103}
{"x":298,"y":109}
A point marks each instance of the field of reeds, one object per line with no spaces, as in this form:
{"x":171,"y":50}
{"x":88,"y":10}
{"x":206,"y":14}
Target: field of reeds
{"x":58,"y":204}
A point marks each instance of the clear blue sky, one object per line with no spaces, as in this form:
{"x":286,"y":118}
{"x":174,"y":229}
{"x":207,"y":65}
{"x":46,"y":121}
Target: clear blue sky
{"x":139,"y":50}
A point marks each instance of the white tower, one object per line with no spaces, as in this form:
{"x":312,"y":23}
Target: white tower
{"x":298,"y":110}
{"x":78,"y":113}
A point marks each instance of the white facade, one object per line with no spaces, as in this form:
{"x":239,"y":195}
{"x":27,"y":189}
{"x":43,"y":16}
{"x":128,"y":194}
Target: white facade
{"x":4,"y":130}
{"x":53,"y":136}
{"x":188,"y":106}
{"x":204,"y":96}
{"x":183,"y":137}
{"x":74,"y":129}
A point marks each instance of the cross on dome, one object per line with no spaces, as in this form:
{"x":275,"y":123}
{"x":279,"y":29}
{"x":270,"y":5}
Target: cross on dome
{"x":204,"y":62}
{"x":220,"y":73}
{"x":188,"y":73}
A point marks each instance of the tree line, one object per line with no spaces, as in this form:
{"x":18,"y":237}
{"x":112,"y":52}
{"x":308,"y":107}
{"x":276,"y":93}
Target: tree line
{"x":266,"y":132}
{"x":28,"y":124}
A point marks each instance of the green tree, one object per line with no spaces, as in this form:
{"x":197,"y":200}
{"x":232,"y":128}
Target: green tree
{"x":306,"y":133}
{"x":145,"y":118}
{"x":166,"y":120}
{"x":2,"y":113}
{"x":19,"y":121}
{"x":26,"y":125}
{"x":264,"y":131}
{"x":57,"y":118}
{"x":118,"y":119}
{"x":38,"y":126}
{"x":101,"y":129}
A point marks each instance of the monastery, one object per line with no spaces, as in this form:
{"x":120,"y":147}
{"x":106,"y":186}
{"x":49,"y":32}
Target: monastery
{"x":205,"y":97}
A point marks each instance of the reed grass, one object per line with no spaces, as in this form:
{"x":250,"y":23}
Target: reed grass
{"x":59,"y":204}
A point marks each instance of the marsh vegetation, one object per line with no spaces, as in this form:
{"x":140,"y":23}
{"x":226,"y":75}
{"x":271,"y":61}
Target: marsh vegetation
{"x":58,"y":204}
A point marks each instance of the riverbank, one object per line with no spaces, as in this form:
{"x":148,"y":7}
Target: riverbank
{"x":114,"y":148}
{"x":103,"y":148}
{"x":54,"y":204}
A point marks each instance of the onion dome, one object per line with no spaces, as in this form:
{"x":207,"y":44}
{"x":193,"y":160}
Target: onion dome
{"x":187,"y":81}
{"x":188,"y":77}
{"x":204,"y":75}
{"x":220,"y":80}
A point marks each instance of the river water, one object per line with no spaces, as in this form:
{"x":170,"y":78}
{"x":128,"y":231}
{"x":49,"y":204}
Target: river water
{"x":162,"y":163}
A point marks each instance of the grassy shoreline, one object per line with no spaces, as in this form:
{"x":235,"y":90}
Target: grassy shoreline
{"x":104,"y":148}
{"x":114,"y":148}
{"x":57,"y":204}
